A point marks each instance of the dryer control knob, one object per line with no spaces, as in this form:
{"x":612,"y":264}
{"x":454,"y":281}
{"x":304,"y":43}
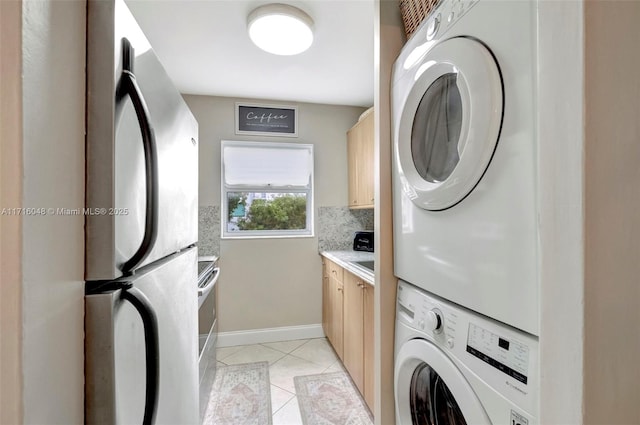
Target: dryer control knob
{"x":435,"y":321}
{"x":433,"y":26}
{"x":450,"y":17}
{"x":421,"y":324}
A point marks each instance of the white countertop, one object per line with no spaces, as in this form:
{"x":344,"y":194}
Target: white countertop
{"x":345,"y":259}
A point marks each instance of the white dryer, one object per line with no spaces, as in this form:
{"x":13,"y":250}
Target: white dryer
{"x":456,"y":367}
{"x":464,"y":190}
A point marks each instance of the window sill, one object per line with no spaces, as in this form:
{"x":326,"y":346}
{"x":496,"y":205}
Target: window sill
{"x":230,"y":238}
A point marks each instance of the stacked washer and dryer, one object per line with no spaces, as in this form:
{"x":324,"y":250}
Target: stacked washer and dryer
{"x":465,"y":216}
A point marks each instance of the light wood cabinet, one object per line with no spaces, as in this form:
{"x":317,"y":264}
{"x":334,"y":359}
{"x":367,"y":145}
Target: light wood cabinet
{"x":347,"y":319}
{"x":360,"y":158}
{"x":325,"y":297}
{"x":332,"y":294}
{"x":358,"y":334}
{"x":354,"y":328}
{"x":368,"y":346}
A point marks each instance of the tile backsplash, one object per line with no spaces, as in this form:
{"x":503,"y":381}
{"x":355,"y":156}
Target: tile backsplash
{"x":336,"y":226}
{"x":209,"y":230}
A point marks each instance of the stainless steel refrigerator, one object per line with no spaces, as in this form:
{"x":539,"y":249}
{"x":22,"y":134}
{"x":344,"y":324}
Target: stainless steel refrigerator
{"x":141,"y":322}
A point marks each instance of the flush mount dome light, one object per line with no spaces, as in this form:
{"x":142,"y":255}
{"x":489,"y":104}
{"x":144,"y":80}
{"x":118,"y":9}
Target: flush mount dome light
{"x":280,"y":29}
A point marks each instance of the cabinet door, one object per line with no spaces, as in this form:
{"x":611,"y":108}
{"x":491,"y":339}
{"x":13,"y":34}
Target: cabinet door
{"x":332,"y":276}
{"x":354,"y":329}
{"x":368,"y":346}
{"x":336,"y":322}
{"x":353,"y":143}
{"x":360,"y":157}
{"x":366,"y":162}
{"x":326,"y":301}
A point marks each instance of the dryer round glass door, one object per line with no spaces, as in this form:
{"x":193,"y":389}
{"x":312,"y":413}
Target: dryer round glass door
{"x":449,"y":124}
{"x":430,"y":390}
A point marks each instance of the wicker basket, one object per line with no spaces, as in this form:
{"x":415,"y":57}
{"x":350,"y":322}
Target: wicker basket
{"x":414,"y":12}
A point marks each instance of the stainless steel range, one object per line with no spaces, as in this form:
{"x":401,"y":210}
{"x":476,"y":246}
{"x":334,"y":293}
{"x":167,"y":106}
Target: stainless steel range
{"x":208,"y":275}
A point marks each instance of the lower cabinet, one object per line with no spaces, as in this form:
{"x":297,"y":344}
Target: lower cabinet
{"x":368,"y":345}
{"x":353,"y":331}
{"x":335,"y":294}
{"x":332,"y":304}
{"x":347,"y":319}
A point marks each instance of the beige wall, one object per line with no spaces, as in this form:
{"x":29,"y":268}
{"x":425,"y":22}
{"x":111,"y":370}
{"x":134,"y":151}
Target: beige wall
{"x":389,"y":38}
{"x":269,"y":283}
{"x":10,"y":226}
{"x":612,"y":213}
{"x":53,"y":246}
{"x":590,"y":231}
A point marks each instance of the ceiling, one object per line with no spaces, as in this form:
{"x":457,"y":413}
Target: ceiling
{"x":206,"y":50}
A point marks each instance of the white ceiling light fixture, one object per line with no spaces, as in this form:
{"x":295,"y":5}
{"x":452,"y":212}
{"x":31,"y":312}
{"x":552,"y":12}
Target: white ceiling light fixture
{"x":280,"y":29}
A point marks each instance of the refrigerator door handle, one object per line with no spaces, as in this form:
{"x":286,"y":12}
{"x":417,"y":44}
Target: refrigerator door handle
{"x":152,"y":350}
{"x":128,"y":86}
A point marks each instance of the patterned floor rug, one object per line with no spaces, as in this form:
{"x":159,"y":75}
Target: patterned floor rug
{"x":241,"y":395}
{"x":330,"y":399}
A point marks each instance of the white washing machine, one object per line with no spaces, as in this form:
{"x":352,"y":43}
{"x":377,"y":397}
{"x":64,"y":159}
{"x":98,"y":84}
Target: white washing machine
{"x":455,"y":367}
{"x":464,"y":117}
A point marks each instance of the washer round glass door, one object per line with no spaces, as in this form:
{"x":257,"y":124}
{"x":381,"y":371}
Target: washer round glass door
{"x":430,"y":390}
{"x":450,"y":123}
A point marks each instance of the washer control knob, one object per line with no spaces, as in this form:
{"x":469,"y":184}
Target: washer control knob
{"x":450,"y":342}
{"x":421,"y":324}
{"x":434,"y":321}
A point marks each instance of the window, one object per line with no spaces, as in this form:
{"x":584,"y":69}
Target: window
{"x":267,"y":189}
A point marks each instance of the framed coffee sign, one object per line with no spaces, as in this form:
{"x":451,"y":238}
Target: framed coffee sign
{"x":266,"y":120}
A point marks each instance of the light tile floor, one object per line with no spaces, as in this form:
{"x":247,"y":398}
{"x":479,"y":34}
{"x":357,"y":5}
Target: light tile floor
{"x":286,"y":359}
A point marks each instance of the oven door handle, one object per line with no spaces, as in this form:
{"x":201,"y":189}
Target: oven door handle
{"x":215,"y":275}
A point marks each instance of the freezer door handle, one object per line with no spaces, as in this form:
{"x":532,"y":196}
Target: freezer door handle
{"x":152,"y":350}
{"x":128,"y":86}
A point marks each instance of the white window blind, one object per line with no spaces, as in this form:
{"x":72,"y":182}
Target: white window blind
{"x":283,"y":166}
{"x":267,"y":189}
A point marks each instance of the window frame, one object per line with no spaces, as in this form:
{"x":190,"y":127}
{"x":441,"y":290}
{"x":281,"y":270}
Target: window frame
{"x":225,"y":189}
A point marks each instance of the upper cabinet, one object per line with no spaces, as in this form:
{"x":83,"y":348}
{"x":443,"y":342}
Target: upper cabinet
{"x":361,"y":161}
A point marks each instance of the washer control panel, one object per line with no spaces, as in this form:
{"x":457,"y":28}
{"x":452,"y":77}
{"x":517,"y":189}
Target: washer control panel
{"x":509,"y":356}
{"x":500,"y":355}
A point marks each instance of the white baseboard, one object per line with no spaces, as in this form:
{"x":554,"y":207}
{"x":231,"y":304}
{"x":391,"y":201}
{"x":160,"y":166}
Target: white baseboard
{"x":259,"y":336}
